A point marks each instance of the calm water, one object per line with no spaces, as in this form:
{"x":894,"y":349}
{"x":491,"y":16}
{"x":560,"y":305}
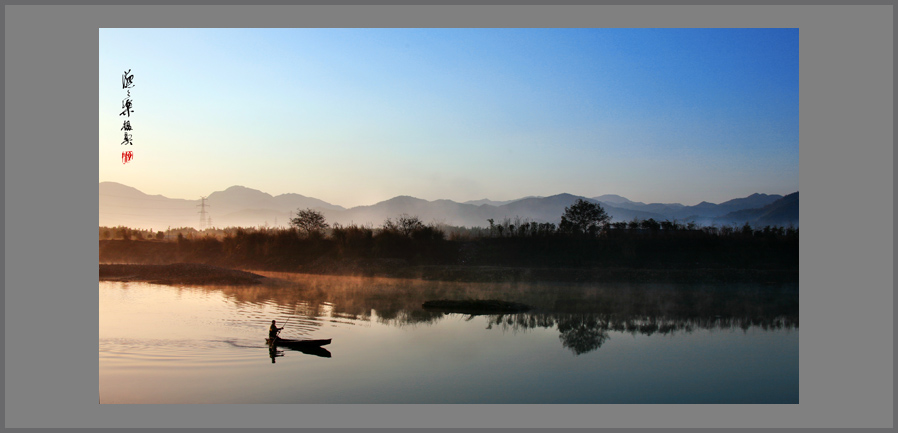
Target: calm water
{"x":589,"y":343}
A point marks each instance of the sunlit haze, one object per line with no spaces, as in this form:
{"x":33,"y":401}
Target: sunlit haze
{"x":357,"y":116}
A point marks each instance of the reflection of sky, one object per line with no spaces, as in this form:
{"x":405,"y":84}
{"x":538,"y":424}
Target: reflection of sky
{"x":160,"y":344}
{"x":354,"y":116}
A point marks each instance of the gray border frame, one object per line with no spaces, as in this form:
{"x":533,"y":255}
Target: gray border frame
{"x":846,"y":163}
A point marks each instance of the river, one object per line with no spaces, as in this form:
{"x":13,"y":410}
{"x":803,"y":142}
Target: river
{"x":586,"y":343}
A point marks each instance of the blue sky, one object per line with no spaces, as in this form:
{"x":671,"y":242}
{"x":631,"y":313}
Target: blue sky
{"x":356,"y":116}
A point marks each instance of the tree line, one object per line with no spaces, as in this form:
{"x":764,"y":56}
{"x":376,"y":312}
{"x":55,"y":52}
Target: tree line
{"x":584,"y":237}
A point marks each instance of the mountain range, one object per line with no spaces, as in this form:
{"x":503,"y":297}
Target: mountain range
{"x":245,"y":207}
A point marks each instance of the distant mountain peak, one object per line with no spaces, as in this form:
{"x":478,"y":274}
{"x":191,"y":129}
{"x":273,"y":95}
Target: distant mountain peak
{"x":119,"y":186}
{"x":405,"y":198}
{"x":243,"y":189}
{"x":242,"y":192}
{"x":563,"y":195}
{"x":239,"y":188}
{"x":612,"y":198}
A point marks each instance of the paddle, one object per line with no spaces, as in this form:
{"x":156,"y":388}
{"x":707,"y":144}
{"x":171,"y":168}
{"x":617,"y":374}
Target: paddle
{"x":282,"y":327}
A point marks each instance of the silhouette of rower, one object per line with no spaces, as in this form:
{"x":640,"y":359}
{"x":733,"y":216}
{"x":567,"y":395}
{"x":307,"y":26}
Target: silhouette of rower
{"x":273,"y":330}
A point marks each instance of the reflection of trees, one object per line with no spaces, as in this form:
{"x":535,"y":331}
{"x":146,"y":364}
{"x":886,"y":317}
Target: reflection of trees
{"x":585,"y":332}
{"x":584,"y":314}
{"x":582,"y":333}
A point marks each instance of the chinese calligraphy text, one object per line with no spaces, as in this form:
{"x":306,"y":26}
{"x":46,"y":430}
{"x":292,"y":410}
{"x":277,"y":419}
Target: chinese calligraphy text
{"x":127,"y":109}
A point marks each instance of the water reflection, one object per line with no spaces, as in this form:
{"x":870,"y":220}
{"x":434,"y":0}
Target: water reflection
{"x":582,"y":333}
{"x":583,"y":314}
{"x":585,"y":332}
{"x":191,"y":344}
{"x":274,"y":352}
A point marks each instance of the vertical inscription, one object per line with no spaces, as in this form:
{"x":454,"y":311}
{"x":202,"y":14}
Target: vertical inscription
{"x":127,"y":109}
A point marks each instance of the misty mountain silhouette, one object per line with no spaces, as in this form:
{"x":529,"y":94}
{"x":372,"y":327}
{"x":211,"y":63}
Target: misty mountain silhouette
{"x":241,"y":198}
{"x":241,"y":206}
{"x":782,"y":212}
{"x":493,"y":202}
{"x":703,"y":210}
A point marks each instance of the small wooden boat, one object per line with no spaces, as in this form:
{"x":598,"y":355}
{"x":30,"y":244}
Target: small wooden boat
{"x":293,"y":344}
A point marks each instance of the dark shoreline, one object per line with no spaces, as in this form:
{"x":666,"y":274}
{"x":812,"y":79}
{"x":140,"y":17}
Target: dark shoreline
{"x":196,"y":273}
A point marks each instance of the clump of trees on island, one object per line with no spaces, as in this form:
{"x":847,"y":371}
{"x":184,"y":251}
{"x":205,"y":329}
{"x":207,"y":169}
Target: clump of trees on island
{"x":585,"y":237}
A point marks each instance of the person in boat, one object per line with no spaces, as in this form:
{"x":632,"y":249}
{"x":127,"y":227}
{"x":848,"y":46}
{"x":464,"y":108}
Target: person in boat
{"x":273,"y":330}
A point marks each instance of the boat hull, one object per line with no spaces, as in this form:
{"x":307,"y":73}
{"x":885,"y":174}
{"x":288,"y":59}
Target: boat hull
{"x":281,"y":342}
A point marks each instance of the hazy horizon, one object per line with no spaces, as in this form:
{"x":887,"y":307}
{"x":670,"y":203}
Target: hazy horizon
{"x":464,"y":201}
{"x":358,"y":116}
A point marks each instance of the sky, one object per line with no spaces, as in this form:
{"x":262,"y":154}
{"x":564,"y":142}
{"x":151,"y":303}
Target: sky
{"x":358,"y":116}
